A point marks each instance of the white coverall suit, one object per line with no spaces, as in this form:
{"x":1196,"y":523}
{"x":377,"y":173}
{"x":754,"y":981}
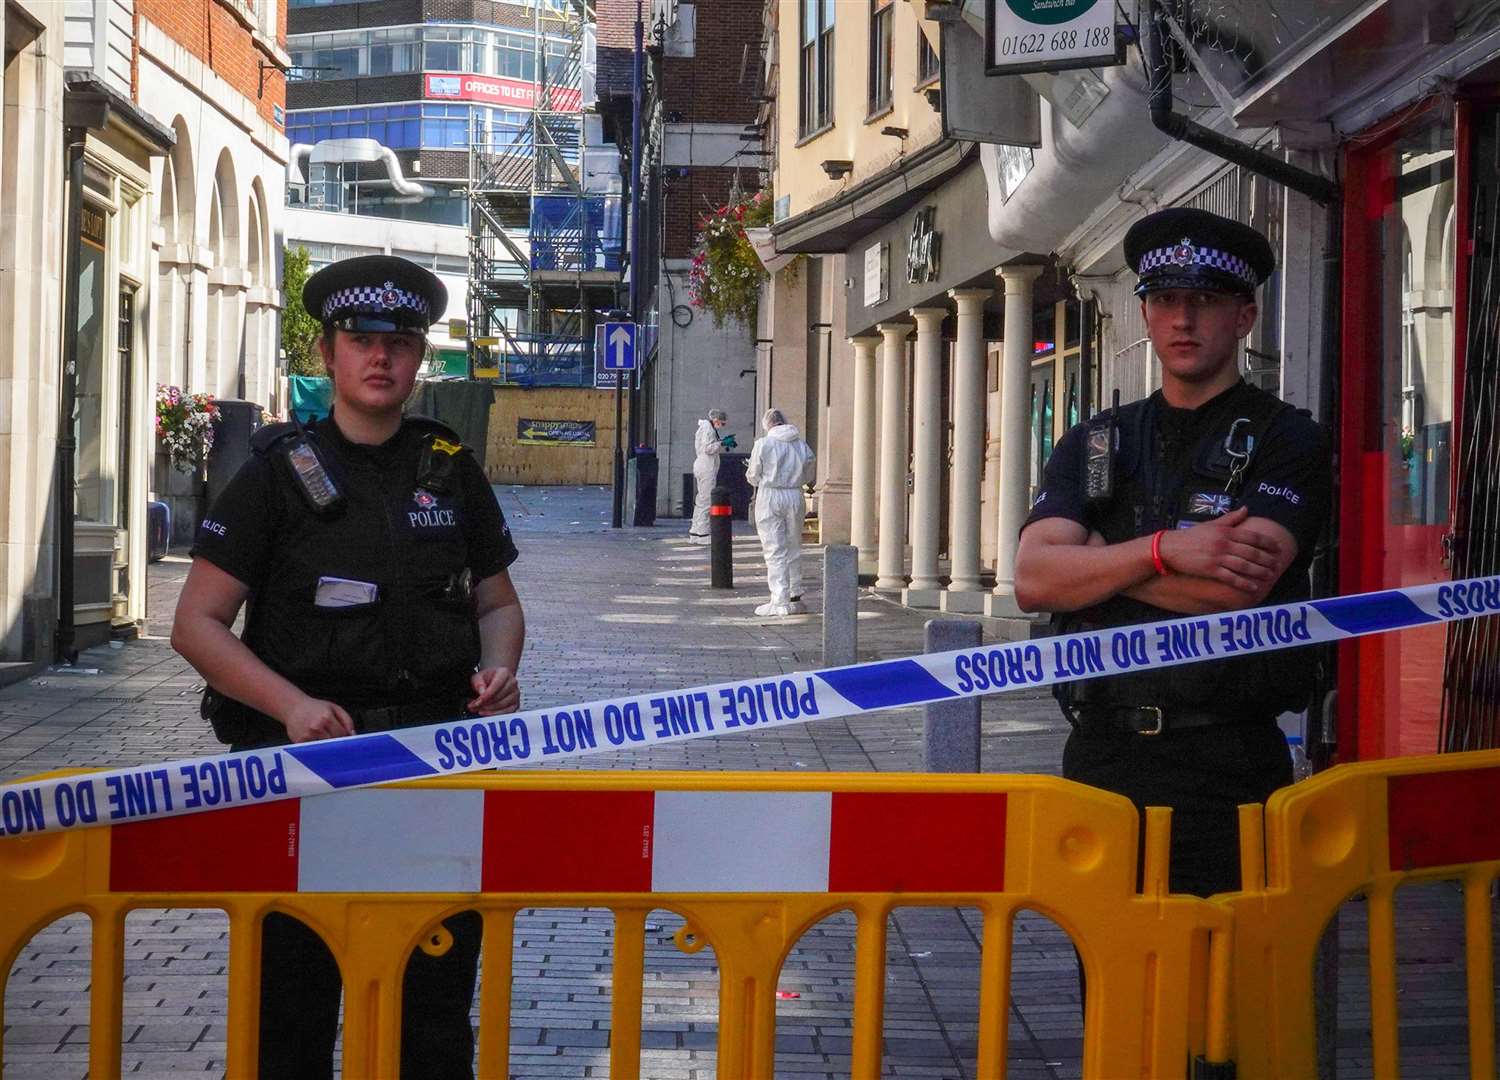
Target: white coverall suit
{"x":780,"y":463}
{"x":706,"y":447}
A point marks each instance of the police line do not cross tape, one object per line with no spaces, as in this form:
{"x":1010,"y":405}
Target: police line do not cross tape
{"x":541,"y":735}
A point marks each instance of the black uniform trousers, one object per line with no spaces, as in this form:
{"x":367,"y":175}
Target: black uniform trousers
{"x":299,"y":999}
{"x":1202,"y":773}
{"x":299,"y":1004}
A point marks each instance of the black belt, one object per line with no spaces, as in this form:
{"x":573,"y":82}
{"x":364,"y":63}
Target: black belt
{"x":1150,"y":720}
{"x":391,"y":717}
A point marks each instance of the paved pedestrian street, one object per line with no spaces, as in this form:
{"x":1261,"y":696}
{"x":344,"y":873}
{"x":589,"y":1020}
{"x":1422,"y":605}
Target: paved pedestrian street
{"x":611,"y":612}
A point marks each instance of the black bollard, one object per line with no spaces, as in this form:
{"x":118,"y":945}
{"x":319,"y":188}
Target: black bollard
{"x":721,"y":540}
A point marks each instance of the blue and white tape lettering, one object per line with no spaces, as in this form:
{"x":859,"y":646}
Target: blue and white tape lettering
{"x":542,"y":735}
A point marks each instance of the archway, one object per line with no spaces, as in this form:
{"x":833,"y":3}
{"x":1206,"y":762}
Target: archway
{"x":224,"y":362}
{"x":260,"y":315}
{"x":173,"y":300}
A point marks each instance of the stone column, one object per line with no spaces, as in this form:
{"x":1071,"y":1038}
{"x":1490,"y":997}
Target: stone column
{"x":892,"y":555}
{"x":836,"y":446}
{"x":969,"y":361}
{"x":865,"y":468}
{"x":926,"y":588}
{"x":1015,"y":429}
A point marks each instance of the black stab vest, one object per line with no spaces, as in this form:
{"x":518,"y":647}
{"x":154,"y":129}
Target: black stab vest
{"x":1164,"y":487}
{"x":399,"y":527}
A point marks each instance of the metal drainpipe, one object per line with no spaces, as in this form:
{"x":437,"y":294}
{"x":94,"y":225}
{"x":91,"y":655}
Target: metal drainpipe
{"x":1325,"y":564}
{"x":1320,"y":189}
{"x":1326,"y":193}
{"x":637,"y":266}
{"x":65,"y":648}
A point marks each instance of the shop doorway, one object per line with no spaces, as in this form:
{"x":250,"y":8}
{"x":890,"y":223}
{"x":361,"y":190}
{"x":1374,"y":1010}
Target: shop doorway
{"x":1042,"y":405}
{"x":1409,"y":259}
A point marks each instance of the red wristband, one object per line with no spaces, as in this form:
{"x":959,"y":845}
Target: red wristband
{"x":1161,"y":567}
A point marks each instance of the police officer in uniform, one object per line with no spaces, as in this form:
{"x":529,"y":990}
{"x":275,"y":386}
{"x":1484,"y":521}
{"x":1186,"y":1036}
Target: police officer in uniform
{"x":1207,"y":496}
{"x":373,"y":557}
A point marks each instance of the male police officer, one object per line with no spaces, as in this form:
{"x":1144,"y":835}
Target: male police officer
{"x":374,"y":558}
{"x":1207,"y":496}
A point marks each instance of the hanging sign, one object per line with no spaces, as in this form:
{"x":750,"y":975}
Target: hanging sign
{"x":1050,"y":35}
{"x":923,"y":247}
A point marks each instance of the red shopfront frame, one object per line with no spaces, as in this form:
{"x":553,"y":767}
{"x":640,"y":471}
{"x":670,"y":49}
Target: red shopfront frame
{"x":1389,"y":701}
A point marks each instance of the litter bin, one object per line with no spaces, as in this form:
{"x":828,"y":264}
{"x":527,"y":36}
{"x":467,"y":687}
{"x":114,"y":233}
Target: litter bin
{"x":642,"y":489}
{"x":238,"y":420}
{"x":731,"y":475}
{"x":158,"y":530}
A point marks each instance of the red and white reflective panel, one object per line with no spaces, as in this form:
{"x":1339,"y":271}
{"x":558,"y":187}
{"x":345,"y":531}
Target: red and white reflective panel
{"x":456,"y":841}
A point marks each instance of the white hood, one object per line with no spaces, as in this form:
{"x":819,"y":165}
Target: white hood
{"x":780,"y":458}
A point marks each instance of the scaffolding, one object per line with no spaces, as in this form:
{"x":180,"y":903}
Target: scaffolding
{"x":544,"y":248}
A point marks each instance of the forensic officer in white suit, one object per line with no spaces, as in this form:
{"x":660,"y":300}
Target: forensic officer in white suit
{"x":780,"y":463}
{"x":708,"y":444}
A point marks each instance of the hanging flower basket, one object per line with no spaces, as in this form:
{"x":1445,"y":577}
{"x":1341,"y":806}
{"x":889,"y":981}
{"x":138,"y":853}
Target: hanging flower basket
{"x":185,"y":426}
{"x":727,"y":269}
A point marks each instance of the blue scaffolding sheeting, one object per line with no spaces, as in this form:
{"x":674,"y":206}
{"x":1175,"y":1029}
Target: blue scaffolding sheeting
{"x":544,"y":360}
{"x":576,"y":233}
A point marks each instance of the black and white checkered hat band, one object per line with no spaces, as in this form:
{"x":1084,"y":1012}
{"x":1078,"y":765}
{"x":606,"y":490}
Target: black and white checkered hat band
{"x":373,"y":300}
{"x":1185,"y":258}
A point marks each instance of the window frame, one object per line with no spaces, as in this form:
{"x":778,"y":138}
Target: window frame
{"x":927,"y":74}
{"x":881,"y":94}
{"x":815,"y":68}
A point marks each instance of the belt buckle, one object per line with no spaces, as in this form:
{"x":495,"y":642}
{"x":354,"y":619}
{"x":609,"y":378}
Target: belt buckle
{"x":1160,"y":720}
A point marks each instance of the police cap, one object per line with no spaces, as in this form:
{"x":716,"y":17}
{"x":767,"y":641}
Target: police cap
{"x":1186,"y":248}
{"x":375,"y":294}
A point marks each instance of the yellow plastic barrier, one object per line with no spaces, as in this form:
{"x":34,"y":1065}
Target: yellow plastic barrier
{"x":750,"y":861}
{"x":1359,"y":829}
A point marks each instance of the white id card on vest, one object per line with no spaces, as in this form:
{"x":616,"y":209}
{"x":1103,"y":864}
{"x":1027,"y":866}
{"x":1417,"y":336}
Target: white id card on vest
{"x":342,"y":592}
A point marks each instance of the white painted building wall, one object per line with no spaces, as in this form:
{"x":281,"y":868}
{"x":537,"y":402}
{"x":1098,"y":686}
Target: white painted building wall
{"x":698,"y":368}
{"x":97,"y":36}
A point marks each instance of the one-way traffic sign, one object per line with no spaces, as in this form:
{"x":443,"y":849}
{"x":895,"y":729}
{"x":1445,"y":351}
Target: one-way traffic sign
{"x":619,"y":346}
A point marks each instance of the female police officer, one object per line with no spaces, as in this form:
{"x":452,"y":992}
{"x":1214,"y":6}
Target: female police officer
{"x":373,"y":555}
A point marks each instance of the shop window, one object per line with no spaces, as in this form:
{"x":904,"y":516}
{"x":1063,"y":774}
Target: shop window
{"x":882,"y":12}
{"x":817,"y":66}
{"x":1042,"y":394}
{"x":125,"y":361}
{"x":91,"y":500}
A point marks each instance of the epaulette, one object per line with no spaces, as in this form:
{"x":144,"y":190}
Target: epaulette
{"x":427,"y":425}
{"x":441,"y":446}
{"x":265,"y":438}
